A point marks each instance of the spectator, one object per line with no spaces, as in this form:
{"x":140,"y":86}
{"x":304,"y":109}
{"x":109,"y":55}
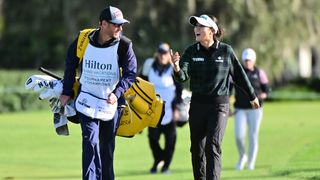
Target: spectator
{"x":245,"y":116}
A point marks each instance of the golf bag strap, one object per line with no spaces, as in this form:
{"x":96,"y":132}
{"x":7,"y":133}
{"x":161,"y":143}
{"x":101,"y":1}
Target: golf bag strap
{"x":82,"y":43}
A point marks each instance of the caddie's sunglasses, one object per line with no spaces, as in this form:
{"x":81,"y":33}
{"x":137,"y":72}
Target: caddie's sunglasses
{"x":116,"y":25}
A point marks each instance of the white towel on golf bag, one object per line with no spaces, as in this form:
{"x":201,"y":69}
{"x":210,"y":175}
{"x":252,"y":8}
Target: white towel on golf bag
{"x":61,"y":124}
{"x":68,"y":110}
{"x":61,"y":114}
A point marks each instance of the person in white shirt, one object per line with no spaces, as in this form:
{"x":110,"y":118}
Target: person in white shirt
{"x":159,"y":71}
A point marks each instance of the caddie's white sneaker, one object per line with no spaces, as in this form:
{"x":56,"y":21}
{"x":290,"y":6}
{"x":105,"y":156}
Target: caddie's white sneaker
{"x":242,"y":162}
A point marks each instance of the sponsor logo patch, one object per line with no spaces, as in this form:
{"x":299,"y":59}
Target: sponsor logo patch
{"x":219,"y":59}
{"x":83,"y":102}
{"x":197,"y":59}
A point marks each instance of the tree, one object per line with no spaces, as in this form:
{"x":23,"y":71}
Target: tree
{"x":37,"y":32}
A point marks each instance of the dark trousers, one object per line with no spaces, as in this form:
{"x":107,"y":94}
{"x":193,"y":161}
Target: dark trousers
{"x":98,"y":143}
{"x":207,"y":124}
{"x":170,"y":136}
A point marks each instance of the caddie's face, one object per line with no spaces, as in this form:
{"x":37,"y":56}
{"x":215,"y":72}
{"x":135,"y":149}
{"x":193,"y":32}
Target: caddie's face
{"x":203,"y":33}
{"x":164,"y":57}
{"x":116,"y":29}
{"x":111,"y":29}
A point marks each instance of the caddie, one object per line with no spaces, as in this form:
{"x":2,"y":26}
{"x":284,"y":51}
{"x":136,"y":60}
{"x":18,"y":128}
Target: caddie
{"x":100,"y":96}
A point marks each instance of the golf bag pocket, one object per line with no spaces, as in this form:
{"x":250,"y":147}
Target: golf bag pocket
{"x":94,"y":107}
{"x":139,"y":104}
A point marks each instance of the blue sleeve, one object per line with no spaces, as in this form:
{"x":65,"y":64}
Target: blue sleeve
{"x":71,"y":64}
{"x":129,"y":70}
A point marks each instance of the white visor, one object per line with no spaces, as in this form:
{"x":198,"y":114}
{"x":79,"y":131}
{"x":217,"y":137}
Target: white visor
{"x":204,"y":20}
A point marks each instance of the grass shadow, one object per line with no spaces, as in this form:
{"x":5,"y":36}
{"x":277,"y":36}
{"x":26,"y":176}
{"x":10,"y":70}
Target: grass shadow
{"x":292,"y":172}
{"x":147,"y":173}
{"x":41,"y":177}
{"x":234,"y":169}
{"x":281,"y":173}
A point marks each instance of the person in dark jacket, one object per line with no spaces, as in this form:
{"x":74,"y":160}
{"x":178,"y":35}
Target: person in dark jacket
{"x":159,"y":71}
{"x":101,"y":91}
{"x":245,"y":116}
{"x":208,"y":64}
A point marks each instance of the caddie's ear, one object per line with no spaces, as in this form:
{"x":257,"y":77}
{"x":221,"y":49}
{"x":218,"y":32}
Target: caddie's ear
{"x":103,"y":23}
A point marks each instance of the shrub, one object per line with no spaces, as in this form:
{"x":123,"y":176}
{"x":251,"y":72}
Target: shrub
{"x":13,"y":95}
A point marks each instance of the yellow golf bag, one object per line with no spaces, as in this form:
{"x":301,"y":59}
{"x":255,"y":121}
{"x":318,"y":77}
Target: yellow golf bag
{"x":144,"y":108}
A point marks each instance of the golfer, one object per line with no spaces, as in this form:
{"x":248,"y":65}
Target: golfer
{"x":101,"y":92}
{"x":208,"y":64}
{"x":245,"y":116}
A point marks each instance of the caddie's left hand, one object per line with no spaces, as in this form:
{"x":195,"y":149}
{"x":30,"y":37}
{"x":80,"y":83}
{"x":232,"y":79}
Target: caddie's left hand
{"x":112,"y":98}
{"x":255,"y":103}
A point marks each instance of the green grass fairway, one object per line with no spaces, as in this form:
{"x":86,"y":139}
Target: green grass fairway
{"x":289,"y":148}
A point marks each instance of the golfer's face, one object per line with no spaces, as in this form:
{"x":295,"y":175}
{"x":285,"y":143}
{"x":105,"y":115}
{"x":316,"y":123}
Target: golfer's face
{"x":202,"y":33}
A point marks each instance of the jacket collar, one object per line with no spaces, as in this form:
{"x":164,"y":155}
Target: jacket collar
{"x":93,"y":37}
{"x":214,"y":46}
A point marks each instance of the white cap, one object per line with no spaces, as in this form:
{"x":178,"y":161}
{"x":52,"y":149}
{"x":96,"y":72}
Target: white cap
{"x":249,"y":54}
{"x":204,"y":20}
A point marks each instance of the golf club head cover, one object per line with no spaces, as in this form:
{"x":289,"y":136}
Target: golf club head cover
{"x":52,"y":89}
{"x":34,"y":80}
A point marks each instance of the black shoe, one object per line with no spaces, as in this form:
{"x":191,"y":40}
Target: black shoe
{"x":153,"y":170}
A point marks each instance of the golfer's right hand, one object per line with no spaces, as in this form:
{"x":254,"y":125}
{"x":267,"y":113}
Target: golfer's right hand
{"x":175,"y":59}
{"x":255,"y":103}
{"x":64,"y":100}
